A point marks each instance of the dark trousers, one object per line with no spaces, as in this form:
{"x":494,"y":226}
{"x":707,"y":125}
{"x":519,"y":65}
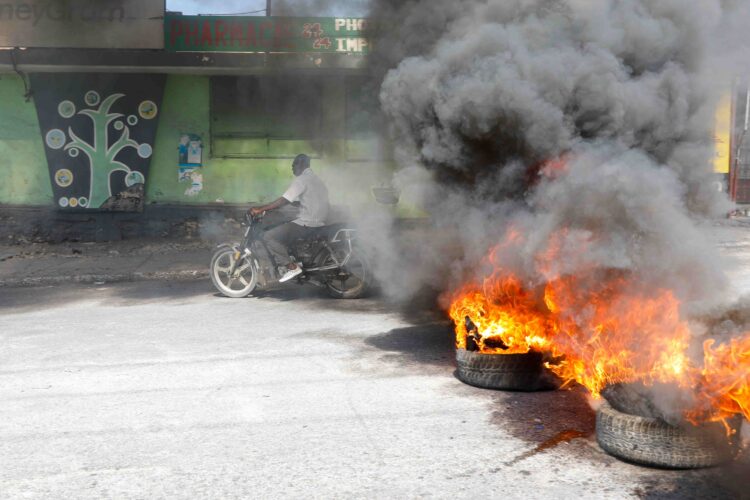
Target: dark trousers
{"x":281,"y":237}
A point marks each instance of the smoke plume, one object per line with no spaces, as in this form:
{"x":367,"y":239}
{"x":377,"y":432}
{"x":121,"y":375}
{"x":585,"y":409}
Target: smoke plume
{"x":619,"y":94}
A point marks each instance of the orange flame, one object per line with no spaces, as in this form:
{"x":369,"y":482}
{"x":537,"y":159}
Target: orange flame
{"x":501,"y":310}
{"x":610,"y":333}
{"x":724,"y":387}
{"x":601,"y":328}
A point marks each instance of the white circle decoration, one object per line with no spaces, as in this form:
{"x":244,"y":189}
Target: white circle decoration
{"x":148,"y":110}
{"x":119,"y":125}
{"x":134,"y":178}
{"x":83,"y":201}
{"x":63,"y":202}
{"x":132,"y":120}
{"x":64,"y":177}
{"x":66,"y":109}
{"x":55,"y":138}
{"x":92,"y":98}
{"x":73,"y":152}
{"x":145,"y":150}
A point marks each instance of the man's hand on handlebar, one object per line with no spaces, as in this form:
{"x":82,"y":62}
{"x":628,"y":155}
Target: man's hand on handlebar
{"x":256,"y":211}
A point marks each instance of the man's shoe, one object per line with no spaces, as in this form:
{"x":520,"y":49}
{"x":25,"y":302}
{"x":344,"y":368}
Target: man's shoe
{"x":290,"y":274}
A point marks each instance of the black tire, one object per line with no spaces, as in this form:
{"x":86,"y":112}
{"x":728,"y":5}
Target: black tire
{"x":353,"y":281}
{"x":509,"y":372}
{"x":653,"y":442}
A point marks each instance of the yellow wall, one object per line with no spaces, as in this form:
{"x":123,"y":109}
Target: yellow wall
{"x":722,"y":135}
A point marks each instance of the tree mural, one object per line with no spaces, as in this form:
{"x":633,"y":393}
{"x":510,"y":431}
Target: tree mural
{"x":99,"y":130}
{"x":101,"y":152}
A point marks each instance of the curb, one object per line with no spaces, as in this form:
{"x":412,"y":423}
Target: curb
{"x":105,"y":278}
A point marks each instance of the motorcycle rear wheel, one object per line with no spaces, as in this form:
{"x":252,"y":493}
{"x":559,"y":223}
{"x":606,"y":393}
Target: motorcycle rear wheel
{"x":350,"y":282}
{"x":239,"y":284}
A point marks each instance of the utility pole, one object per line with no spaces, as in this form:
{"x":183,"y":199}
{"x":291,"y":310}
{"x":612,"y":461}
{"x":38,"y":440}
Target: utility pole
{"x":268,"y":8}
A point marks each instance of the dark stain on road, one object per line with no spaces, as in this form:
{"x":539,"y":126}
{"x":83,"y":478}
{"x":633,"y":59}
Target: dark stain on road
{"x":545,"y":418}
{"x":420,"y":348}
{"x":565,"y":436}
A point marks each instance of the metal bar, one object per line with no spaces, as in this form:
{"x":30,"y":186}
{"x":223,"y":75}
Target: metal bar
{"x":41,"y":60}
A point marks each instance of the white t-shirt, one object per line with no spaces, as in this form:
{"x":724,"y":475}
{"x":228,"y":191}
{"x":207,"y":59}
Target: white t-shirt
{"x":312,"y":195}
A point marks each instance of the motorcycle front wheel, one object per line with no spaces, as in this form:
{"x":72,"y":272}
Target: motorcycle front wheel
{"x":237,"y":284}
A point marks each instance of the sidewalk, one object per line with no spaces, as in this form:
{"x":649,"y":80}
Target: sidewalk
{"x":128,"y":260}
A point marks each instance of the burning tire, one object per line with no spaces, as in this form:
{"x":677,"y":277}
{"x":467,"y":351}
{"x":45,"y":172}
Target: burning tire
{"x":509,"y":372}
{"x":651,"y":441}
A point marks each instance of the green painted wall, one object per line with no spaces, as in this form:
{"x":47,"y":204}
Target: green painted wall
{"x":185,"y":109}
{"x":25,"y":178}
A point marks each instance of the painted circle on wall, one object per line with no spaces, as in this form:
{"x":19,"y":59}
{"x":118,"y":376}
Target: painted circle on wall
{"x":73,"y":202}
{"x":55,"y":138}
{"x":63,"y":202}
{"x":64,"y":177}
{"x":73,"y":152}
{"x":66,"y":109}
{"x":145,"y":150}
{"x":132,"y":120}
{"x":119,"y":125}
{"x":134,"y":178}
{"x":83,"y":201}
{"x":148,"y":110}
{"x":92,"y":98}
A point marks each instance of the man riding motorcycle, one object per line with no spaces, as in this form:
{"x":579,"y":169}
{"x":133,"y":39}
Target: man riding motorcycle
{"x":312,"y":195}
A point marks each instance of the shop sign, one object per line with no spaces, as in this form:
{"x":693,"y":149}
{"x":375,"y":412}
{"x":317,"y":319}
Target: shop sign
{"x":265,"y":34}
{"x":91,"y":24}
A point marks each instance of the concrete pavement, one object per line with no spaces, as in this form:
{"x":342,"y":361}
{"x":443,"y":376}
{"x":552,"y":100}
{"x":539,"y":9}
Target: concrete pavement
{"x":165,"y":390}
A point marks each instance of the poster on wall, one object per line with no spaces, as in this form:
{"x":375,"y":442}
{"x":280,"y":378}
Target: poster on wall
{"x":190,"y":159}
{"x":98,"y":132}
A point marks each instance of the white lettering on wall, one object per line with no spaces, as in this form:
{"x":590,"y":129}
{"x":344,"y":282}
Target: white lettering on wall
{"x":352,"y":44}
{"x":350,"y":24}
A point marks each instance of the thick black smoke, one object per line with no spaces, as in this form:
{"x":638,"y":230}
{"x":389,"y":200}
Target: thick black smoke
{"x":481,"y":95}
{"x":529,"y":80}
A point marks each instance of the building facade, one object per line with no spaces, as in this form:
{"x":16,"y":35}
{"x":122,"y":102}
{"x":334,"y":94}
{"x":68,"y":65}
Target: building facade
{"x":212,"y":120}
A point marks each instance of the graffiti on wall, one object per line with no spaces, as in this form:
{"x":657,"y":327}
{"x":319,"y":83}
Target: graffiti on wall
{"x":99,"y":133}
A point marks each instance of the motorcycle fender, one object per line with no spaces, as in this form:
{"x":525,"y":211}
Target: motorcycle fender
{"x":235,"y":248}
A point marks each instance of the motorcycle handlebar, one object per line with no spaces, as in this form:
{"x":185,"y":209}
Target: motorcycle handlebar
{"x":250,"y":218}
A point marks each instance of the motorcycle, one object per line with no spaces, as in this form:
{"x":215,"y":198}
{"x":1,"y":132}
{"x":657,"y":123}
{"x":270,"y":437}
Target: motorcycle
{"x":329,"y":258}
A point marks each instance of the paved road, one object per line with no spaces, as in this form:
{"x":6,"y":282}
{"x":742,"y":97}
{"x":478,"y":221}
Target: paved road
{"x":154,"y":390}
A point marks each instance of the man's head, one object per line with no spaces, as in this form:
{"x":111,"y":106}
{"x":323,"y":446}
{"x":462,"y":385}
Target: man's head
{"x":300,"y":164}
